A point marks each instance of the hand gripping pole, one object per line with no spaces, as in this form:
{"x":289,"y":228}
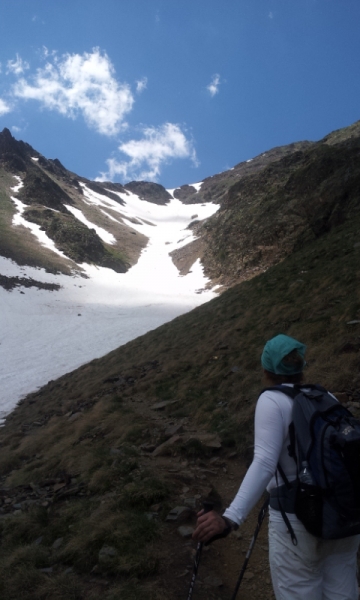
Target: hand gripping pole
{"x":207,"y":508}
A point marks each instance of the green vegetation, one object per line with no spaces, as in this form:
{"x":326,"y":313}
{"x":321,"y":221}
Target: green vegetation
{"x":76,"y":240}
{"x":19,"y":243}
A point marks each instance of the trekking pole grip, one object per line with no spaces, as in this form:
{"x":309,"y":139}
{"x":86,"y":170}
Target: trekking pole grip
{"x":208,"y":506}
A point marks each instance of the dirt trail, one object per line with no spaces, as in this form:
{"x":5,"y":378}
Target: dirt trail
{"x":194,"y":479}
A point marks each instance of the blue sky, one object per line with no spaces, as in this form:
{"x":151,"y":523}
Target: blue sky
{"x":175,"y":91}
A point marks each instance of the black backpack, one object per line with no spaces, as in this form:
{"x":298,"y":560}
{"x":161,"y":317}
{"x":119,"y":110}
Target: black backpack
{"x":325,"y":443}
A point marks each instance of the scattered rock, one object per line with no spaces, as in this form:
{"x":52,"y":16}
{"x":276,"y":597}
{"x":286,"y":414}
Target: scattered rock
{"x":173,"y":429}
{"x":185,"y":531}
{"x":163,"y":448}
{"x":107,"y":553}
{"x":178,"y":513}
{"x":162,"y":405}
{"x":249,"y":575}
{"x":151,"y":516}
{"x":56,"y":545}
{"x":38,"y":541}
{"x":190,"y":502}
{"x":208,"y":440}
{"x":58,"y":486}
{"x":147,"y":447}
{"x":75,"y":417}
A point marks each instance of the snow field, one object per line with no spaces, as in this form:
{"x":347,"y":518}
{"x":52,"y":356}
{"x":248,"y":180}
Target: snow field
{"x":44,"y":334}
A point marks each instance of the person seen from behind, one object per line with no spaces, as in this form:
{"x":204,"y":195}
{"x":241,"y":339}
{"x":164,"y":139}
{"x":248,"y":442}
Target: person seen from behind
{"x":314,"y":569}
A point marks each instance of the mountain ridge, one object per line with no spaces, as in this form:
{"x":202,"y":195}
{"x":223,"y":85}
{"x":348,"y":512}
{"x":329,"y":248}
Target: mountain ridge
{"x":226,"y":259}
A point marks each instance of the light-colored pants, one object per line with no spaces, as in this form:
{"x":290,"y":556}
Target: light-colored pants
{"x":314,"y":569}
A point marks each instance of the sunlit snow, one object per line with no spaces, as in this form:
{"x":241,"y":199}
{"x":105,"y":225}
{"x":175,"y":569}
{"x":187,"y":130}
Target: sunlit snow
{"x":44,"y":334}
{"x":106,"y":237}
{"x":197,"y":186}
{"x":18,"y":219}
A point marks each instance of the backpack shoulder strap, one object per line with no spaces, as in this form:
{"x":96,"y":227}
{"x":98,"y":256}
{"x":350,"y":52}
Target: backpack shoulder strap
{"x":311,"y":390}
{"x":285,"y":389}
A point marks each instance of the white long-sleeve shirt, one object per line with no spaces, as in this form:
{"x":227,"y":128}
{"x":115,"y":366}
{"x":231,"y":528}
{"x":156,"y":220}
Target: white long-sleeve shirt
{"x":273,"y":416}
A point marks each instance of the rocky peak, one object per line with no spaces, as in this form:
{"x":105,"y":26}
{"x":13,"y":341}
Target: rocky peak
{"x":14,"y":153}
{"x":7,"y":142}
{"x":151,"y":192}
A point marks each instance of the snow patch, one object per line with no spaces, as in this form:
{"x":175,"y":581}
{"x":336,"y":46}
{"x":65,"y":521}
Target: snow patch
{"x":172,"y":190}
{"x":18,"y":219}
{"x":106,"y":237}
{"x":197,"y":186}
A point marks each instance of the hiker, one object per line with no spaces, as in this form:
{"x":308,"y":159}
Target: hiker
{"x":314,"y":568}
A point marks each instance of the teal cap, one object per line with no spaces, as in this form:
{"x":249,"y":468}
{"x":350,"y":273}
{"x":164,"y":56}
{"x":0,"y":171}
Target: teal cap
{"x":276,"y":349}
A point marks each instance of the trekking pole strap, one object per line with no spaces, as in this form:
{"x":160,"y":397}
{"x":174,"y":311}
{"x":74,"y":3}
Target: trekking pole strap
{"x":276,"y":494}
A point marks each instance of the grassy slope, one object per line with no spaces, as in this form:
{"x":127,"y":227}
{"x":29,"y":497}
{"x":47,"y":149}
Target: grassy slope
{"x":47,"y":187}
{"x":18,"y":243}
{"x":312,"y":295}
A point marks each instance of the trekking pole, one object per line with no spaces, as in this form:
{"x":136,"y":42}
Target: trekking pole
{"x":261,"y":517}
{"x":207,"y":508}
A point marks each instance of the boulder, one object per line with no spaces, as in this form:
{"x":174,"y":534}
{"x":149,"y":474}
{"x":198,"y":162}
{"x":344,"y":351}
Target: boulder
{"x":163,"y":448}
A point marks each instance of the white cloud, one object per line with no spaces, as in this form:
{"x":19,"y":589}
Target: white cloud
{"x":213,"y":87}
{"x":271,"y":15}
{"x":17,"y":66}
{"x":141,"y":85}
{"x":16,"y":129}
{"x":81,"y":84}
{"x":147,"y":156}
{"x":4,"y":107}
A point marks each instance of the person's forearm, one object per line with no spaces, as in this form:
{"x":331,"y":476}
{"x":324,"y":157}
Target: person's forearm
{"x":250,"y":491}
